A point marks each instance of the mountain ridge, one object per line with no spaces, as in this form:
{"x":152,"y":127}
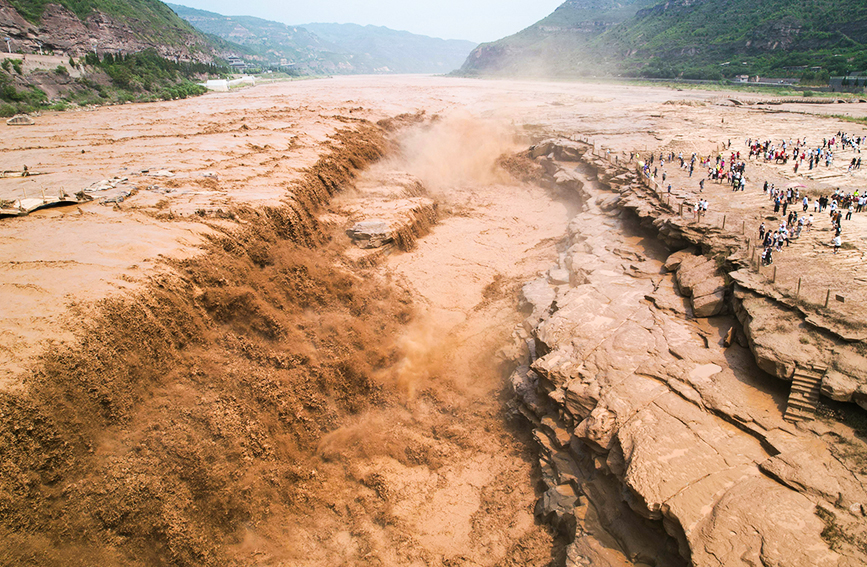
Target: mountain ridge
{"x":697,"y":39}
{"x":332,"y":48}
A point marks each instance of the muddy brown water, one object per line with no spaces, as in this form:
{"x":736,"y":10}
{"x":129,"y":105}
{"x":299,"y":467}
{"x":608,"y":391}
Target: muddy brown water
{"x":182,"y":386}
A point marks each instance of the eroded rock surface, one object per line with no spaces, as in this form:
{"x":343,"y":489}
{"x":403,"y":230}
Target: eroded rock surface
{"x":661,"y":431}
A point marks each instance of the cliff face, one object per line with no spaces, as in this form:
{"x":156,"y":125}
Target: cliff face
{"x":60,"y":30}
{"x":659,"y":429}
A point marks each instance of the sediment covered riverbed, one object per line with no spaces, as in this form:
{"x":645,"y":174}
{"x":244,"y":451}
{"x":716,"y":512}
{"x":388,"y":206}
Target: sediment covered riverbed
{"x":211,"y":372}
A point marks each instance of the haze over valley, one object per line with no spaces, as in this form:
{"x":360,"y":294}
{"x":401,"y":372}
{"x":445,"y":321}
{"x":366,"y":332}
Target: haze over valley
{"x":323,"y":294}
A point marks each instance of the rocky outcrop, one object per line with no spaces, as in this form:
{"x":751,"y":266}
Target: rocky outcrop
{"x":371,"y":234}
{"x":62,"y":31}
{"x":395,"y":213}
{"x":654,"y":428}
{"x":782,"y":332}
{"x":698,"y":278}
{"x":559,"y":149}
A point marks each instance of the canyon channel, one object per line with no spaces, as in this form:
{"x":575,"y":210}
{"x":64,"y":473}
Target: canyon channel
{"x":415,"y":321}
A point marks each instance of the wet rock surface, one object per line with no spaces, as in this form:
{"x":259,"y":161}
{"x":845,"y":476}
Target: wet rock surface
{"x":674,"y":443}
{"x":371,"y":234}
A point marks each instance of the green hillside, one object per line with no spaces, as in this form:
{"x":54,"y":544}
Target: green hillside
{"x":711,"y":38}
{"x":700,"y":39}
{"x":146,"y":52}
{"x":270,"y":42}
{"x":558,"y":45}
{"x":151,"y":17}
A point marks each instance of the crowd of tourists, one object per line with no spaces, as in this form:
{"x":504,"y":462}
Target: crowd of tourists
{"x":840,"y":206}
{"x":728,"y":167}
{"x":800,"y":151}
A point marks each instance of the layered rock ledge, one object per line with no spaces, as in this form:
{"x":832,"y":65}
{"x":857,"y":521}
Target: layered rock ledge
{"x":662,"y":441}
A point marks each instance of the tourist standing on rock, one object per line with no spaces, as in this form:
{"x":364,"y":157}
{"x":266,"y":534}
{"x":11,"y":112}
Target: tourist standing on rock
{"x":806,"y":203}
{"x":767,"y":257}
{"x":762,"y":232}
{"x":837,"y":243}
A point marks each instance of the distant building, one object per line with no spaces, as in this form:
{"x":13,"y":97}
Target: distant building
{"x":849,"y":83}
{"x":236,"y":64}
{"x":772,"y":81}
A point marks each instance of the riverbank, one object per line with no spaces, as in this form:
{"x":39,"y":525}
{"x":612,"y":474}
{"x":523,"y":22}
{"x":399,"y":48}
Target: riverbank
{"x":200,"y":373}
{"x":663,"y":423}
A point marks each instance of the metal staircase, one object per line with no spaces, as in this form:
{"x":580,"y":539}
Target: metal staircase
{"x":804,"y":395}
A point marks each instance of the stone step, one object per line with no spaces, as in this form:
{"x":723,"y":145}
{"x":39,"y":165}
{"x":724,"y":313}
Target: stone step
{"x":794,"y":416}
{"x":807,"y":400}
{"x":804,"y":394}
{"x":807,"y":379}
{"x":801,"y":407}
{"x":809,"y":375}
{"x":798,"y":404}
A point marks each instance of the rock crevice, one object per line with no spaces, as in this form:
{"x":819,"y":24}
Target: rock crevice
{"x":644,"y":424}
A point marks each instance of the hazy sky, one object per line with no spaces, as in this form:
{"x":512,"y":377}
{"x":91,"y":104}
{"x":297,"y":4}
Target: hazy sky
{"x":475,"y":20}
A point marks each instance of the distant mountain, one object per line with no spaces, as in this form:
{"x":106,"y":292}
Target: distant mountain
{"x":386,"y":50}
{"x":333,"y":48}
{"x":560,"y":44}
{"x":684,"y":38}
{"x":270,"y":42}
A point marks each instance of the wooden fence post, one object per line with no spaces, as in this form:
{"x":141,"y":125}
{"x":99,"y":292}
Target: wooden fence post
{"x":724,"y":222}
{"x":798,"y":293}
{"x":827,"y":297}
{"x":774,"y":279}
